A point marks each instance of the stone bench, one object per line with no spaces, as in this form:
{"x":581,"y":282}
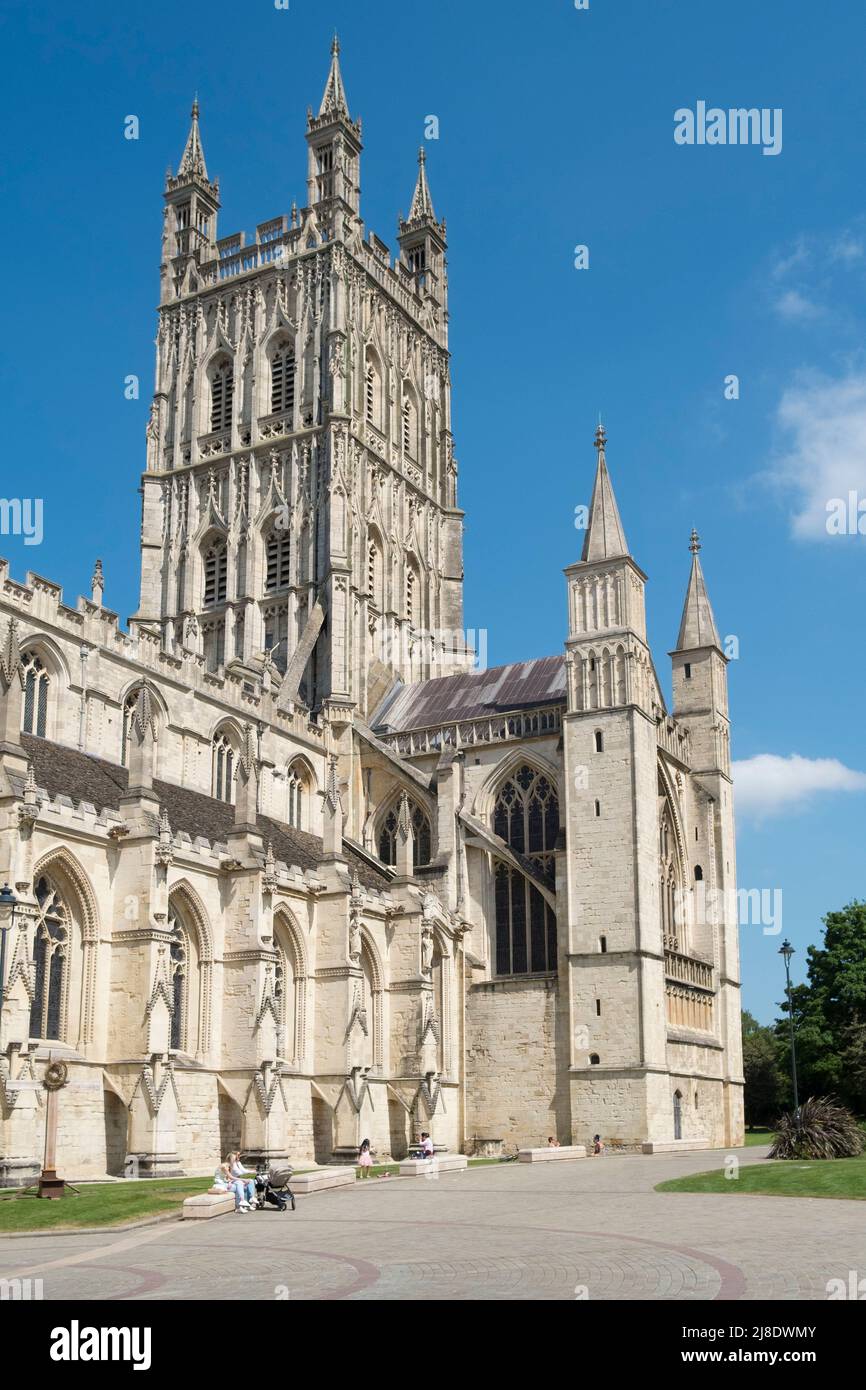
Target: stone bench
{"x":674,"y":1146}
{"x":546,"y":1154}
{"x":440,"y":1163}
{"x":320,"y":1180}
{"x":207,"y":1204}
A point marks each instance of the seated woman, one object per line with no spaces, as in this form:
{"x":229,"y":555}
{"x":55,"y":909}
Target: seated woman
{"x":245,"y":1176}
{"x":224,"y":1182}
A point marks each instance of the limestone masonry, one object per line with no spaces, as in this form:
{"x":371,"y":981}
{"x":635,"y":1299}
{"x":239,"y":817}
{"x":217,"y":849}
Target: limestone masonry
{"x":290,"y":870}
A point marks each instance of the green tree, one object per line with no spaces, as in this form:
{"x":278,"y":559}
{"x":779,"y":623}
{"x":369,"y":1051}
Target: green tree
{"x":830,"y":1013}
{"x":764,"y":1089}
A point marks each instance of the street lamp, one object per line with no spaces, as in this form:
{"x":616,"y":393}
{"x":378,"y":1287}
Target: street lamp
{"x":8,"y":904}
{"x":787,"y":950}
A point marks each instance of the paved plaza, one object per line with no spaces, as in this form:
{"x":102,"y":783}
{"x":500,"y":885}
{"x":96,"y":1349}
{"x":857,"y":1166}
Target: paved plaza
{"x":588,"y":1229}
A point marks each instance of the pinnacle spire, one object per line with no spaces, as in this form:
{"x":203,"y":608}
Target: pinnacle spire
{"x":422,"y":203}
{"x":697,"y":626}
{"x":192,"y":159}
{"x":604,"y":537}
{"x":334,"y":97}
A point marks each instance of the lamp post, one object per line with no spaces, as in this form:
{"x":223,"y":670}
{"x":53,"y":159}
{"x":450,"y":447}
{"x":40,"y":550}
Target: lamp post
{"x":786,"y":950}
{"x":8,"y":904}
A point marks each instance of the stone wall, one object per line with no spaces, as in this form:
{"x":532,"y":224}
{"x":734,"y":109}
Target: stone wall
{"x":515,"y":1089}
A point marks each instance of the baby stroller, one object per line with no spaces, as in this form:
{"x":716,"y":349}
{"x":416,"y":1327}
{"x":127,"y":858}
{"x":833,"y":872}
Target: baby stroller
{"x":272,"y":1187}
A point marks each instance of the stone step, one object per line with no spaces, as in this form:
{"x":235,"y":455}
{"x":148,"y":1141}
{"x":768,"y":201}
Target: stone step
{"x":547,"y":1154}
{"x":207,"y":1204}
{"x":425,"y":1167}
{"x":674,"y":1146}
{"x":320,"y":1179}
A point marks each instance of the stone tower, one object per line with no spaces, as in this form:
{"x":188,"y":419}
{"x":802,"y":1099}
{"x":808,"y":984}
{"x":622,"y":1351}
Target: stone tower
{"x":614,"y":960}
{"x":299,"y":503}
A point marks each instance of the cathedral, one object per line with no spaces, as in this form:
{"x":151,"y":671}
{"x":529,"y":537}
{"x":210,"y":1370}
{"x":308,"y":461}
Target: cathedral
{"x":284,"y":868}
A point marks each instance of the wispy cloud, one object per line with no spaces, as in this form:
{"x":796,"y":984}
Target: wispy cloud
{"x":770,"y":785}
{"x":796,"y":307}
{"x":822,"y":421}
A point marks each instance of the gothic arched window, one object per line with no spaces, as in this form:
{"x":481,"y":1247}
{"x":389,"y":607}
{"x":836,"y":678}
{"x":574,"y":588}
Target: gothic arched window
{"x":179,"y":956}
{"x":221,"y":393}
{"x":188,"y":983}
{"x":51,"y":952}
{"x":215,"y":572}
{"x":286,"y":988}
{"x":410,"y":427}
{"x":223,"y":767}
{"x":373,"y":392}
{"x":36,"y":681}
{"x":282,"y":380}
{"x":669,"y":883}
{"x":276,"y":560}
{"x":129,"y":705}
{"x":411,"y":595}
{"x":297,"y":794}
{"x":526,"y":816}
{"x":423,"y":840}
{"x":374,"y":573}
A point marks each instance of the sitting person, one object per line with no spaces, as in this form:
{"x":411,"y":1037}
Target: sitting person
{"x":597,"y":1144}
{"x":552,"y":1143}
{"x":245,"y":1176}
{"x":224,"y":1182}
{"x":426,"y":1144}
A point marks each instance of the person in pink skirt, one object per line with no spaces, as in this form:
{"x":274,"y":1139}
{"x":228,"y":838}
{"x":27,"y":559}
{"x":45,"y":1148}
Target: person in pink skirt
{"x":365,"y":1158}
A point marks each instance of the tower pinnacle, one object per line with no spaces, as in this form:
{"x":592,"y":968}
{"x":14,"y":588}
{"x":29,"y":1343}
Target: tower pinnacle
{"x":334,"y":97}
{"x":422,"y":203}
{"x":192,"y":159}
{"x":605,"y":537}
{"x":697,"y":626}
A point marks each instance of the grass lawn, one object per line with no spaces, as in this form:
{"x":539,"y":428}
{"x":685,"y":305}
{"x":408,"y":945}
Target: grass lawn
{"x":759,"y":1136}
{"x":830,"y":1177}
{"x":100,"y":1204}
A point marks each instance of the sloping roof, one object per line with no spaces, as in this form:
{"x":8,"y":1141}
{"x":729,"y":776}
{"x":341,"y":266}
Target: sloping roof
{"x":428,"y":704}
{"x":62,"y":771}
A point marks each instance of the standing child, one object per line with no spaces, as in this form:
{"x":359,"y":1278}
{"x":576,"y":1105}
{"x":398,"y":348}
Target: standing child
{"x":365,"y":1158}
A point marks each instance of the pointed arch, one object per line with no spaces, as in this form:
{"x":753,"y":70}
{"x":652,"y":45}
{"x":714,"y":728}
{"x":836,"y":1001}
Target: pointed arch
{"x":197,"y":914}
{"x":373,"y":388}
{"x":282,"y":365}
{"x":226,"y":743}
{"x":300,"y":790}
{"x":46,"y":679}
{"x":128,"y":700}
{"x":386,"y":829}
{"x":192,"y":970}
{"x":673,"y":868}
{"x":510,"y":763}
{"x":409,"y":418}
{"x":65,"y":948}
{"x":375,"y":568}
{"x":213,"y":550}
{"x":526,"y":817}
{"x":61,"y":860}
{"x":290,"y":984}
{"x":220,"y":377}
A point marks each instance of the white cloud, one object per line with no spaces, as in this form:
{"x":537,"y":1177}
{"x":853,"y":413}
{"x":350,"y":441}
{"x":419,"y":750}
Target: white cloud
{"x":769,"y":785}
{"x":799,"y":255}
{"x":823,"y":420}
{"x":796,"y":308}
{"x":847,"y":248}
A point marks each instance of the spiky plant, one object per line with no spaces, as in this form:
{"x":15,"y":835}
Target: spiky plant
{"x":821,"y":1128}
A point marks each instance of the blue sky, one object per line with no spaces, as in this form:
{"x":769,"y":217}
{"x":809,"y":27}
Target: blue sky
{"x":555,"y":129}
